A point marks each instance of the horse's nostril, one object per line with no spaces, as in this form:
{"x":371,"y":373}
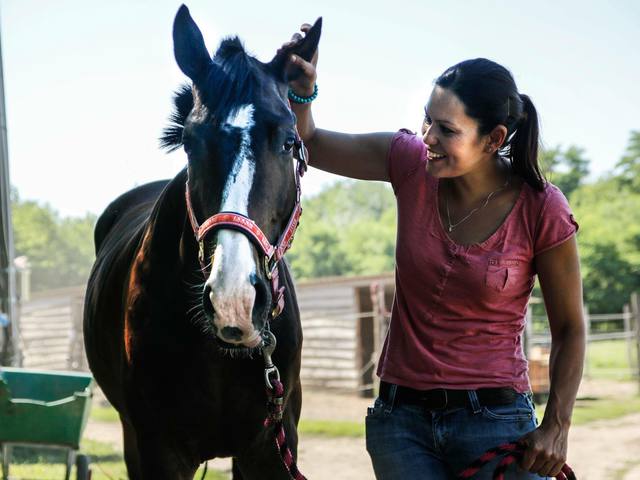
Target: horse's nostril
{"x":231,"y":333}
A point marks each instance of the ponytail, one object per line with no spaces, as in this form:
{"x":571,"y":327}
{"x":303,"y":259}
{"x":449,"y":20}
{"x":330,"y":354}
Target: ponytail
{"x":523,"y":151}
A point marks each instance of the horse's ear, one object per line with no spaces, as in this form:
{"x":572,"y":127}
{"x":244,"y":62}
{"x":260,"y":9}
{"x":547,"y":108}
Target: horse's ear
{"x":281,"y":64}
{"x":188,"y":45}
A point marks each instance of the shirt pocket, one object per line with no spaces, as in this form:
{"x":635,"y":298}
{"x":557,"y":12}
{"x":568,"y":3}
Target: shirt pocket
{"x":503,"y":273}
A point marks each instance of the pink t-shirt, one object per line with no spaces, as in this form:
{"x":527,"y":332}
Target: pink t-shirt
{"x":459,"y":311}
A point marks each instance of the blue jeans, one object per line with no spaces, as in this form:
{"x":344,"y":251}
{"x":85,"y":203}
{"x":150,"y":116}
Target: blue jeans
{"x":408,"y":442}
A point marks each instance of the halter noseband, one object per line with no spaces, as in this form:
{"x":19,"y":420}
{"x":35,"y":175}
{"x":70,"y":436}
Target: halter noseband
{"x":272,"y":254}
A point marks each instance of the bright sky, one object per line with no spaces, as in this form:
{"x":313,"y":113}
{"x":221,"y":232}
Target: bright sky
{"x":88,"y":83}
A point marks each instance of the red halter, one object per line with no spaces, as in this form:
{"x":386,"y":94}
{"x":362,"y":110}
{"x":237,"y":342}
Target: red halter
{"x":272,"y":253}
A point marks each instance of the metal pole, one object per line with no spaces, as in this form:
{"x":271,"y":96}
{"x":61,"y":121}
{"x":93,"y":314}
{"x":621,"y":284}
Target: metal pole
{"x":9,"y":348}
{"x":629,"y":335}
{"x":587,"y":321}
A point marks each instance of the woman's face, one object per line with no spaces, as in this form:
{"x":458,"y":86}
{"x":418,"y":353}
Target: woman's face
{"x":454,"y":146}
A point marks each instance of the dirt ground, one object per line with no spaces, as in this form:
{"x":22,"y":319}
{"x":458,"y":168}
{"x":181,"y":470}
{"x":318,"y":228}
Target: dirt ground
{"x":602,"y":450}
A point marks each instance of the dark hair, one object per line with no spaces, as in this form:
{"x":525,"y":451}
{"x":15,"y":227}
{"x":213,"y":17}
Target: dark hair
{"x":490,"y":96}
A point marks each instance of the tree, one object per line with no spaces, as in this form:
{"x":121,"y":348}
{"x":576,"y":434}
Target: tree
{"x":609,"y":238}
{"x":629,"y":165}
{"x":60,"y":251}
{"x":346,"y":229}
{"x":566,"y":169}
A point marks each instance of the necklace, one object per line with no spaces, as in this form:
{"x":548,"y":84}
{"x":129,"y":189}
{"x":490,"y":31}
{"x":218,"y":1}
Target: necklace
{"x":451,"y":226}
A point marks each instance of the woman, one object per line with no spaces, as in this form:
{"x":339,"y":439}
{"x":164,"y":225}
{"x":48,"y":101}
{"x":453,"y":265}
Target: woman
{"x":476,"y":222}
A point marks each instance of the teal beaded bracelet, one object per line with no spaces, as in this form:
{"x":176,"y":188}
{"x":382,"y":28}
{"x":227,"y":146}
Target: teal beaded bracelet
{"x":298,"y":99}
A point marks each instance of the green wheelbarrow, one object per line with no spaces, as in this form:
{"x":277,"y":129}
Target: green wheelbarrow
{"x":45,"y":409}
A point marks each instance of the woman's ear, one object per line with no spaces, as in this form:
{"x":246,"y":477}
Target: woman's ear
{"x":496,"y":138}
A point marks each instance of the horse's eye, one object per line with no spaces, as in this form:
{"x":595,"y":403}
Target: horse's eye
{"x":287,"y":146}
{"x":186,"y":144}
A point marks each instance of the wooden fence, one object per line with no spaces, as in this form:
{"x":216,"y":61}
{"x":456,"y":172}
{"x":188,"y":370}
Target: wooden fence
{"x":51,"y":330}
{"x":344,"y":322}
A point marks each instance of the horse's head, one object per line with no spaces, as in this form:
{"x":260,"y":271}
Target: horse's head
{"x":238,"y":131}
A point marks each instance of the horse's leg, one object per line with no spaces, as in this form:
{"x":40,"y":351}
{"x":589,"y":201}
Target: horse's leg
{"x":131,"y":456}
{"x":160,"y":460}
{"x":263,"y":461}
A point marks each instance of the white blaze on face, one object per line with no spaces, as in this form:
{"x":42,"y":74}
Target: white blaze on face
{"x":232,"y":294}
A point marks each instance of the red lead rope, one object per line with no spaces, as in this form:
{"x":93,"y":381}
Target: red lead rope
{"x":275,"y":407}
{"x":511,"y":452}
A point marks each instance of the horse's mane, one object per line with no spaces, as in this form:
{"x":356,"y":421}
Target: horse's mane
{"x":231,"y":81}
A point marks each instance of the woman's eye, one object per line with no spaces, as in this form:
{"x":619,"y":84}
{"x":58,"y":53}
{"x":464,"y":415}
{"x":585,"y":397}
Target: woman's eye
{"x":446,"y":131}
{"x":287,"y":146}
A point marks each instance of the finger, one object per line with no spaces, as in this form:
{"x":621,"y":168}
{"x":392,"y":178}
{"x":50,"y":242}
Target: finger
{"x":528,"y":458}
{"x":307,"y":67}
{"x":296,"y":37}
{"x":284,"y":46}
{"x":305,"y":27}
{"x":538,"y":464}
{"x":556,"y":469}
{"x":547,"y":469}
{"x":561,"y":476}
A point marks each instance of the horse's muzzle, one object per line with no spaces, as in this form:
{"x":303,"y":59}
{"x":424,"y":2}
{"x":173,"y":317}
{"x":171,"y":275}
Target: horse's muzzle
{"x":234,"y":321}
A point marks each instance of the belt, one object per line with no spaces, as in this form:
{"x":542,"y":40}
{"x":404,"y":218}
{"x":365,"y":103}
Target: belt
{"x":441,"y":398}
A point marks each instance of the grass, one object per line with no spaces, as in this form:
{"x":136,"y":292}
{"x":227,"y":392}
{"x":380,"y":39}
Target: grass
{"x":104,"y":414}
{"x":331,"y":428}
{"x":610,"y":360}
{"x":326,"y":428}
{"x":106,"y":463}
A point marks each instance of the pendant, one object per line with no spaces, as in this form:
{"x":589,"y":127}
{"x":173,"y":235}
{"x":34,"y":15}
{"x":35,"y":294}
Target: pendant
{"x":450,"y":228}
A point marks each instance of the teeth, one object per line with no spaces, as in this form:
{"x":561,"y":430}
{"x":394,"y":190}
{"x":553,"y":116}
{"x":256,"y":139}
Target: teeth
{"x":435,"y":155}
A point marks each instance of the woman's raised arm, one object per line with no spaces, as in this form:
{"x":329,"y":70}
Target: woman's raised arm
{"x":362,"y":156}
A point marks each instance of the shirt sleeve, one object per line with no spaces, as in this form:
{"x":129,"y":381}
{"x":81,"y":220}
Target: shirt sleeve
{"x":406,"y":155}
{"x":555,"y":223}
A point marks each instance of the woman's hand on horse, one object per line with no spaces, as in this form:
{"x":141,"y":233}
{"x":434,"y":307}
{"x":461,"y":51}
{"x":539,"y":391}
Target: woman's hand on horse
{"x":303,"y":85}
{"x":546,"y":451}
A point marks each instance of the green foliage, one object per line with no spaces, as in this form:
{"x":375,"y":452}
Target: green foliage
{"x":347,"y":229}
{"x":60,"y":250}
{"x":629,"y":165}
{"x":609,"y":220}
{"x":567,"y":169}
{"x":350,"y":229}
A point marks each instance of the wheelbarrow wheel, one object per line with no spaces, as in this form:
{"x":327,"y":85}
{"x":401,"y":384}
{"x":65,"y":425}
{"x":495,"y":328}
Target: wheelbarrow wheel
{"x":82,"y":467}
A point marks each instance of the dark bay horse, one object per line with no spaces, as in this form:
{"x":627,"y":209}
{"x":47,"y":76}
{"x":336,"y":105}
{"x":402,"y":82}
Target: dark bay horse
{"x":186,"y":295}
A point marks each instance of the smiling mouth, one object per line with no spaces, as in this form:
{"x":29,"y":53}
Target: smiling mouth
{"x":435,"y":156}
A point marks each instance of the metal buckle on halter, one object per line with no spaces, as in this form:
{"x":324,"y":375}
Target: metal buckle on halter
{"x":268,"y":347}
{"x":301,"y":156}
{"x":201,"y":251}
{"x":267,"y":269}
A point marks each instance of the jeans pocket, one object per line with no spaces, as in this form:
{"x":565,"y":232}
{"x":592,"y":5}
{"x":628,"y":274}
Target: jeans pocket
{"x":518,"y":411}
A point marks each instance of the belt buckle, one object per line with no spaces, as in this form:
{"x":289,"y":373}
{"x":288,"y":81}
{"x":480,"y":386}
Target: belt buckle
{"x":442,"y":394}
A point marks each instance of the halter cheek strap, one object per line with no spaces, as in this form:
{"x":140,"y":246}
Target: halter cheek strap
{"x":272,"y":254}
